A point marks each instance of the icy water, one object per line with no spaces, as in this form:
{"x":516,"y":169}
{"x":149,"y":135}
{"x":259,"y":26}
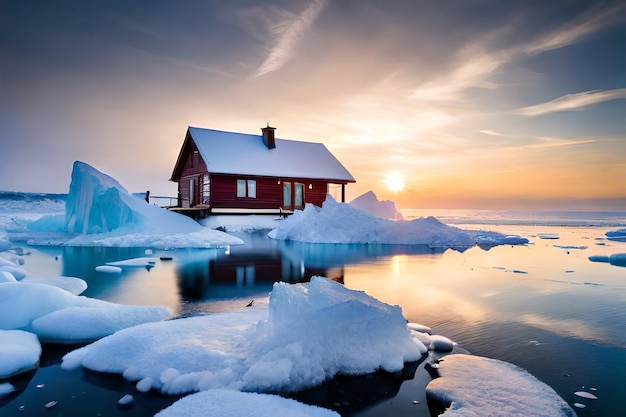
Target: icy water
{"x":544,"y":307}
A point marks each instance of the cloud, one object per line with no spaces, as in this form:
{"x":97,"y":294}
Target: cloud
{"x":571,"y":102}
{"x":595,"y":20}
{"x":474,"y":63}
{"x":287,"y":34}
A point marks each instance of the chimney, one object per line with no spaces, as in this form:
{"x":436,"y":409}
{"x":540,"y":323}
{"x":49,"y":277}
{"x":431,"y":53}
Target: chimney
{"x":268,"y":136}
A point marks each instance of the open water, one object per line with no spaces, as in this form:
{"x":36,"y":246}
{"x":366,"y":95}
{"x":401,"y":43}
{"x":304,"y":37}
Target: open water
{"x":544,"y":306}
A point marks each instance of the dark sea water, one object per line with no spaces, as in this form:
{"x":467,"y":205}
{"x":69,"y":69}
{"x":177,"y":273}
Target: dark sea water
{"x":544,"y":307}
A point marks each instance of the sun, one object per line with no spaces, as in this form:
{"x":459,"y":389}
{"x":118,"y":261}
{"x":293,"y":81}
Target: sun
{"x":394,"y":182}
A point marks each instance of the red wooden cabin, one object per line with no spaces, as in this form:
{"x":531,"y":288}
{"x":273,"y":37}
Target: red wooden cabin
{"x":226,"y":172}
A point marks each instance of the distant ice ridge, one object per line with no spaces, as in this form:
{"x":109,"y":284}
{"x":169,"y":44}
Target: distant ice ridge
{"x":101,"y":212}
{"x":369,"y":202}
{"x":341,"y":223}
{"x":471,"y":386}
{"x":308,"y":333}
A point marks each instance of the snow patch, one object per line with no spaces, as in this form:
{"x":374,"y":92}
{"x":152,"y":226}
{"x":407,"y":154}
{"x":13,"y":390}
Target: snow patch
{"x":473,"y":386}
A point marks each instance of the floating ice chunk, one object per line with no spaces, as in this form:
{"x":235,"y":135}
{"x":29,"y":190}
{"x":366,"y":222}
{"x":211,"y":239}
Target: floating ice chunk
{"x":585,"y":394}
{"x":599,"y":258}
{"x":474,"y":386}
{"x":144,"y":385}
{"x":17,"y":272}
{"x":6,"y":388}
{"x":135,"y":262}
{"x":618,"y":259}
{"x":617,"y":235}
{"x":109,"y":269}
{"x":74,"y":325}
{"x":548,"y":236}
{"x":19,"y":352}
{"x":232,"y":403}
{"x":310,"y":333}
{"x":441,"y":343}
{"x":59,"y":316}
{"x":579,"y":405}
{"x":570,"y":247}
{"x":71,"y":284}
{"x":7,"y":277}
{"x":126,"y":401}
{"x":419,"y":328}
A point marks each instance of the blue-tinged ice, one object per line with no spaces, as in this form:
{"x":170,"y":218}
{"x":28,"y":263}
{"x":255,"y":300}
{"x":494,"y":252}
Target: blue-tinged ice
{"x":19,"y":352}
{"x":104,"y":213}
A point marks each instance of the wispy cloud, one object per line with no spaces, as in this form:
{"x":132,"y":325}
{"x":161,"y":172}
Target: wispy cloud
{"x":596,"y":19}
{"x":571,"y":102}
{"x":287,"y":34}
{"x":475,"y":64}
{"x":490,"y":133}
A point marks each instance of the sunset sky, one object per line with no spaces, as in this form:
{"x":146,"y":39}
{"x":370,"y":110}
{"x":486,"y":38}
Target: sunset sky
{"x":472,"y":104}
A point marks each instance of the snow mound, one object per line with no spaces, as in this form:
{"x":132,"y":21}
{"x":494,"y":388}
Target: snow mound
{"x":341,"y":223}
{"x":58,"y":316}
{"x":308,"y":333}
{"x":232,"y":403}
{"x":19,"y":352}
{"x":474,"y":386}
{"x":104,"y":213}
{"x":385,"y":209}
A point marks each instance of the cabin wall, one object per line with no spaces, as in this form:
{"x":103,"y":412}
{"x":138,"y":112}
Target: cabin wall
{"x":269,"y":192}
{"x":192,"y":172}
{"x":224,"y":193}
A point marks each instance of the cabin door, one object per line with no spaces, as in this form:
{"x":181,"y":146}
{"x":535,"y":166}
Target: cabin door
{"x":293,"y":195}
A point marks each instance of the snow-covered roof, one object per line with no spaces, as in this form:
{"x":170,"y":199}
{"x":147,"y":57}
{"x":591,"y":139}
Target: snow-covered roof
{"x":246,"y":154}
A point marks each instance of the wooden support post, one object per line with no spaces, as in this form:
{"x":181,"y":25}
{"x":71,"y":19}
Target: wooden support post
{"x":343,"y":193}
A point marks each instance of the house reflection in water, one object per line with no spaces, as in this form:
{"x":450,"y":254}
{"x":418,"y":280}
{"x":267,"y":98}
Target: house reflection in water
{"x":245,"y":271}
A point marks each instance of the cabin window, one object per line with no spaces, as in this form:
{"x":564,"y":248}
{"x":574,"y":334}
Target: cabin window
{"x":252,"y":188}
{"x":246,"y":188}
{"x":286,"y":194}
{"x":298,"y":195}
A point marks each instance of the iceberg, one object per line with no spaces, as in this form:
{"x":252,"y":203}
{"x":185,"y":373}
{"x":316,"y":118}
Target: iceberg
{"x":307,"y":334}
{"x":385,"y":209}
{"x":103,"y":213}
{"x":341,"y":223}
{"x":472,"y":386}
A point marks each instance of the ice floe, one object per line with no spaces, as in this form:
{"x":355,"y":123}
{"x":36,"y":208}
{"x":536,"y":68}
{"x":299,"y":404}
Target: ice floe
{"x":306,"y":334}
{"x":59,"y":316}
{"x":472,"y":386}
{"x":19,"y":352}
{"x":617,"y":259}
